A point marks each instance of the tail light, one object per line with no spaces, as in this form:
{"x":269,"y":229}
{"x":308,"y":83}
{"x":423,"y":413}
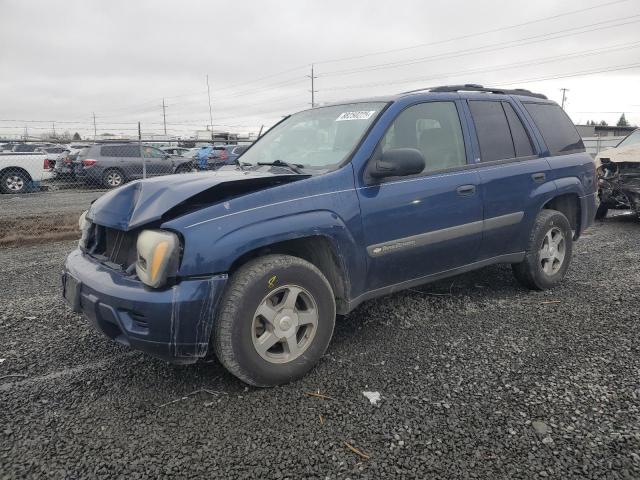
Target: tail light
{"x":87,"y":162}
{"x":223,"y":154}
{"x":46,"y":164}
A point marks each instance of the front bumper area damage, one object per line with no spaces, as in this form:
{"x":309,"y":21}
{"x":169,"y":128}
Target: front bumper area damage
{"x":619,"y":185}
{"x":173,"y":324}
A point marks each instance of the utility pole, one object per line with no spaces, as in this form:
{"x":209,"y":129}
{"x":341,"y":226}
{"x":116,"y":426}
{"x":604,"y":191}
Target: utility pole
{"x":210,"y":111}
{"x":95,"y":129}
{"x":164,"y":117}
{"x":144,"y":160}
{"x":53,"y":124}
{"x":313,"y":90}
{"x":564,"y":96}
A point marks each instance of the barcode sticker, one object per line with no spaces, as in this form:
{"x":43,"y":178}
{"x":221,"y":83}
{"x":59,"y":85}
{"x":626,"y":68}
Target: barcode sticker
{"x":365,"y":115}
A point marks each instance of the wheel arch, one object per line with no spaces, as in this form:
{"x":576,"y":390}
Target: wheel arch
{"x":5,"y":170}
{"x":319,"y":250}
{"x":569,"y":205}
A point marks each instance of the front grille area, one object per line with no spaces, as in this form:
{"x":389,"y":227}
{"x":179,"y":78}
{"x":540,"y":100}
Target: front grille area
{"x":114,"y":246}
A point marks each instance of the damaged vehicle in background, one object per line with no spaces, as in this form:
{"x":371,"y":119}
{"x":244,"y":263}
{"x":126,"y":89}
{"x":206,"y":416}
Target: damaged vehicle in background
{"x":333,"y":206}
{"x":618,"y":171}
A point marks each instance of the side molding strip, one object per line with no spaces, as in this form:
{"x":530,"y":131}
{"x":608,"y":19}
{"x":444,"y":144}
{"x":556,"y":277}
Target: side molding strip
{"x":444,"y":234}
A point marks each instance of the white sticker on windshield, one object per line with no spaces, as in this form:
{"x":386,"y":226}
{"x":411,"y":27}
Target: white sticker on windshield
{"x":365,"y":115}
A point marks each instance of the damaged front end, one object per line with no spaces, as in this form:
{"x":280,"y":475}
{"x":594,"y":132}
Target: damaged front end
{"x":619,"y":185}
{"x":124,"y":276}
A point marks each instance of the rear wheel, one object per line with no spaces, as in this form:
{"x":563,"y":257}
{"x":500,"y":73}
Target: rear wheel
{"x":112,"y":178}
{"x":14,"y":181}
{"x":276,"y":320}
{"x":548,"y":254}
{"x":184,"y":168}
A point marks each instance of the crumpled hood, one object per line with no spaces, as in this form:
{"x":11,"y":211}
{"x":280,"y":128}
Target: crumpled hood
{"x":622,"y":154}
{"x":143,"y":201}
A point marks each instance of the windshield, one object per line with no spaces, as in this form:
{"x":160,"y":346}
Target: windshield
{"x":319,"y":138}
{"x":632,"y":139}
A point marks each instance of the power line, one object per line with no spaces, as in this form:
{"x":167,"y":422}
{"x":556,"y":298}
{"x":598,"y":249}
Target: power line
{"x":584,"y":53}
{"x":614,"y":68}
{"x":490,"y":47}
{"x":471,"y":35}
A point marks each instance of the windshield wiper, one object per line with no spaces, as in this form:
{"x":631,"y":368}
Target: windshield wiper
{"x":279,"y":163}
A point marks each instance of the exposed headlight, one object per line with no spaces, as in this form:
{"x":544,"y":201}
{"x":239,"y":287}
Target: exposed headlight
{"x":158,"y":254}
{"x":84,"y":226}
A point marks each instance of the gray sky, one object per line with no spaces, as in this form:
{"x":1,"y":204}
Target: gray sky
{"x":63,"y":60}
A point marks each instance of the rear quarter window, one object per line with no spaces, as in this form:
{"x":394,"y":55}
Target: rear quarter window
{"x":120,"y":151}
{"x":557,"y":129}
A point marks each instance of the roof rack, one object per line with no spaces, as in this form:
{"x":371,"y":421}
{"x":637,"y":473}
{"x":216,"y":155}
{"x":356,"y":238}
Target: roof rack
{"x":472,"y":87}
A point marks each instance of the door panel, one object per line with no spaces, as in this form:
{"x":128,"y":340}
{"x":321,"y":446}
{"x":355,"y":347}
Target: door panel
{"x":507,"y":190}
{"x":431,"y":222}
{"x":510,"y":173}
{"x":420,"y":226}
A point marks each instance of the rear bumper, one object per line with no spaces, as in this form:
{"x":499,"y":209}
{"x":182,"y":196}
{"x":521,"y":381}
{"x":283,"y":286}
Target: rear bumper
{"x":173,"y":324}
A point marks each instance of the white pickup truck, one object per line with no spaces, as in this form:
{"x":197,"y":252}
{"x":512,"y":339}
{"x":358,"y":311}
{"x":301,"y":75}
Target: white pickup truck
{"x":19,"y":171}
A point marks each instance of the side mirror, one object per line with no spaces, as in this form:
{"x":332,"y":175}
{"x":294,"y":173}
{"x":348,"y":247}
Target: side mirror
{"x":398,"y":162}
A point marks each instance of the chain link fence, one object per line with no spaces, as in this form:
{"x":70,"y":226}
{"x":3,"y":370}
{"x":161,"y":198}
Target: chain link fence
{"x":31,"y":166}
{"x":44,"y":187}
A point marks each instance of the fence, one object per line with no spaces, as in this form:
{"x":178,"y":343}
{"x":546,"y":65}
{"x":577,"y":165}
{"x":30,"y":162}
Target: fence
{"x":32,"y":166}
{"x":595,"y":145}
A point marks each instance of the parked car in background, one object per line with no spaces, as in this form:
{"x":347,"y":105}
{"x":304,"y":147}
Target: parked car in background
{"x":7,"y":147}
{"x":333,"y":206}
{"x":115,"y":164}
{"x":618,"y":172}
{"x":222,"y":155}
{"x":177,"y":151}
{"x":64,"y":166}
{"x":19,"y":172}
{"x":26,"y":148}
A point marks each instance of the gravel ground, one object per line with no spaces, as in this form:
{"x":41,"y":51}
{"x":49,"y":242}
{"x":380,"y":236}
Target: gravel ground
{"x":43,"y":203}
{"x":478,"y":379}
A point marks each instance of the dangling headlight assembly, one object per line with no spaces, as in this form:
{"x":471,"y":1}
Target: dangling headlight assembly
{"x":158,"y":257}
{"x":85,"y":225}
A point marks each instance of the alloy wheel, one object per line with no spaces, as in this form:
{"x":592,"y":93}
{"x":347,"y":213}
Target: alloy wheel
{"x":552,"y":252}
{"x":284,"y":324}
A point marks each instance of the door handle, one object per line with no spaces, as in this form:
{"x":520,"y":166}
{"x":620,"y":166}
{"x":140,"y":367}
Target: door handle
{"x":466,"y":190}
{"x":539,"y":177}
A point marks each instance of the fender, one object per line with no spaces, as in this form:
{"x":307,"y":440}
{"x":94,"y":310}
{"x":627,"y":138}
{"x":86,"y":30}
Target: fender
{"x":570,"y":185}
{"x":264,"y":232}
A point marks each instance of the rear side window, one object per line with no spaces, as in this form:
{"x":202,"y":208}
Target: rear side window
{"x":120,"y":151}
{"x":492,"y":128}
{"x":556,"y":128}
{"x":521,"y":140}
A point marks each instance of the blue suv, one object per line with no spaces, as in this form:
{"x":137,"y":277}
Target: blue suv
{"x":333,"y":206}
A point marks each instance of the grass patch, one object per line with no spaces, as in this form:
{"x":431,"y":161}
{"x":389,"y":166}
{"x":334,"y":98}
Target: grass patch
{"x":32,"y":230}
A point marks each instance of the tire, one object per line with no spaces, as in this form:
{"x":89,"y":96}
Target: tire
{"x":186,"y":168}
{"x":14,"y":181}
{"x":264,"y":285}
{"x":602,"y":211}
{"x":537,"y":272}
{"x":113,"y":178}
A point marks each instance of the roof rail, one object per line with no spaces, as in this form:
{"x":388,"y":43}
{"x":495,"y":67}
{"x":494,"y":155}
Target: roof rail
{"x":472,"y":87}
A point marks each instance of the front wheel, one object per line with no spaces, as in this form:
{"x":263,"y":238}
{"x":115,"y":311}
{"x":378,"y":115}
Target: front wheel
{"x":548,"y":254}
{"x":276,"y":320}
